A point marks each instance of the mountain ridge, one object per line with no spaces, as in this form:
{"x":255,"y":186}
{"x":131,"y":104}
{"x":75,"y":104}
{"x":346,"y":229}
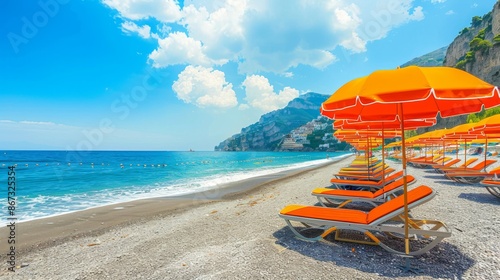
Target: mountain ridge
{"x":272,"y":127}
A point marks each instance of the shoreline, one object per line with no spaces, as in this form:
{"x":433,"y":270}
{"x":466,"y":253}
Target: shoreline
{"x":212,"y":190}
{"x":32,"y":234}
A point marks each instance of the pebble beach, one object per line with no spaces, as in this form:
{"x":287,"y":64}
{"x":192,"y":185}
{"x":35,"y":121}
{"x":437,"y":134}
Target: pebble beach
{"x":240,"y":236}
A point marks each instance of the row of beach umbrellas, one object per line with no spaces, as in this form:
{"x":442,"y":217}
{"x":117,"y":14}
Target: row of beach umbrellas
{"x":386,"y":103}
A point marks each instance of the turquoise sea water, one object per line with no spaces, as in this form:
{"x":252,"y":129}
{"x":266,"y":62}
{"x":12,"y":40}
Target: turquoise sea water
{"x":55,"y":182}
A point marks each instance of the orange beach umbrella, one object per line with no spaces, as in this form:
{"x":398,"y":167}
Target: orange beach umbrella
{"x":415,"y":92}
{"x":488,"y":125}
{"x":410,"y":93}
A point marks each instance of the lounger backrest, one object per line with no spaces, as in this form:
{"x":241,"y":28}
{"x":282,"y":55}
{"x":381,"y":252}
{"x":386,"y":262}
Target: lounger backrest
{"x":483,"y":164}
{"x":495,"y":170}
{"x":468,"y":162}
{"x":396,"y":184}
{"x":451,"y":162}
{"x":444,"y":160}
{"x":394,"y":175}
{"x":397,"y":203}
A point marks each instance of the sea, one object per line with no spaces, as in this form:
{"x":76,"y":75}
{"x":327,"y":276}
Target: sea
{"x":49,"y":183}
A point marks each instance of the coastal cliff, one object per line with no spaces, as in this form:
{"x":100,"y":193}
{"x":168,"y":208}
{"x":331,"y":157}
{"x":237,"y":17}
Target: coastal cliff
{"x":297,"y":127}
{"x":477,"y":48}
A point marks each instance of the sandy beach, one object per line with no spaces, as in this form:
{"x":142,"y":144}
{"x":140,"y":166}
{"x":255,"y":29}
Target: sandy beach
{"x":240,"y":236}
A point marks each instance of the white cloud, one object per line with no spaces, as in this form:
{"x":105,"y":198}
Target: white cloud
{"x":177,"y":48}
{"x":38,"y":124}
{"x":383,"y":16}
{"x":204,"y":87}
{"x":450,"y":12}
{"x":243,"y":107}
{"x":162,"y":10}
{"x":260,"y":94}
{"x":437,"y":1}
{"x":130,"y":27}
{"x":267,"y":36}
{"x":417,"y":14}
{"x":219,"y":27}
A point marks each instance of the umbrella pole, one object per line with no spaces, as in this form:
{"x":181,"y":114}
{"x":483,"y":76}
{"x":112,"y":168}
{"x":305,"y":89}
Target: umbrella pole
{"x":485,"y":152}
{"x":367,"y":154}
{"x":432,"y":152}
{"x":383,"y":156}
{"x":444,"y":152}
{"x":465,"y":153}
{"x":405,"y":189}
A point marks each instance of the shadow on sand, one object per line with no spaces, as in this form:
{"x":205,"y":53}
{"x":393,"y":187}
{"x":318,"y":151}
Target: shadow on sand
{"x":442,"y":261}
{"x":483,"y":198}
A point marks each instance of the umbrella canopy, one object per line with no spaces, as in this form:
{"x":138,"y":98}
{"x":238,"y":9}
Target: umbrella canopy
{"x":488,"y":125}
{"x":462,"y":131}
{"x":382,"y":125}
{"x":383,"y":94}
{"x":410,"y":93}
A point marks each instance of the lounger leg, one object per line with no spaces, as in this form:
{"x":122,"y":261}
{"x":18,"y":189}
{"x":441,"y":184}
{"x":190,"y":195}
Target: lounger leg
{"x":325,"y":231}
{"x":494,"y":190}
{"x":434,"y":232}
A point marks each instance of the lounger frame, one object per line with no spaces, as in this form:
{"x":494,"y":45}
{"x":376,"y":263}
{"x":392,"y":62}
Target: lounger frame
{"x":437,"y":232}
{"x":493,"y":187}
{"x":340,"y":201}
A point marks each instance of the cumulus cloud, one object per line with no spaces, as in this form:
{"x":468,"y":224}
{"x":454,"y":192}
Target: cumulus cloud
{"x":260,"y":94}
{"x":418,"y":14}
{"x":162,"y":10}
{"x":178,"y":48}
{"x":450,"y":12}
{"x":243,"y":107}
{"x":130,"y":27}
{"x":266,"y":36}
{"x":383,"y":16}
{"x":437,"y":1}
{"x":218,"y":27}
{"x":204,"y":87}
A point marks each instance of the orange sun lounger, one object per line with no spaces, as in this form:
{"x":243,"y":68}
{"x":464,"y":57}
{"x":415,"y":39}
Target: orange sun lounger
{"x":445,"y":164}
{"x":463,"y":166}
{"x":375,"y":175}
{"x":472,"y":177}
{"x":377,"y":224}
{"x":362,"y":183}
{"x":493,"y":186}
{"x":429,"y":164}
{"x":343,"y":197}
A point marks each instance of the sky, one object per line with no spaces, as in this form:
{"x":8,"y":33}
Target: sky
{"x":177,"y":75}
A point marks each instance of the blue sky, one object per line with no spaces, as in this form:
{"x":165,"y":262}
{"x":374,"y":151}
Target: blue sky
{"x":180,"y":75}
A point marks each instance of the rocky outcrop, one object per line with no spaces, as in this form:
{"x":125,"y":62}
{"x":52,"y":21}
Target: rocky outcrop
{"x":485,"y":63}
{"x":269,"y":131}
{"x":434,"y":58}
